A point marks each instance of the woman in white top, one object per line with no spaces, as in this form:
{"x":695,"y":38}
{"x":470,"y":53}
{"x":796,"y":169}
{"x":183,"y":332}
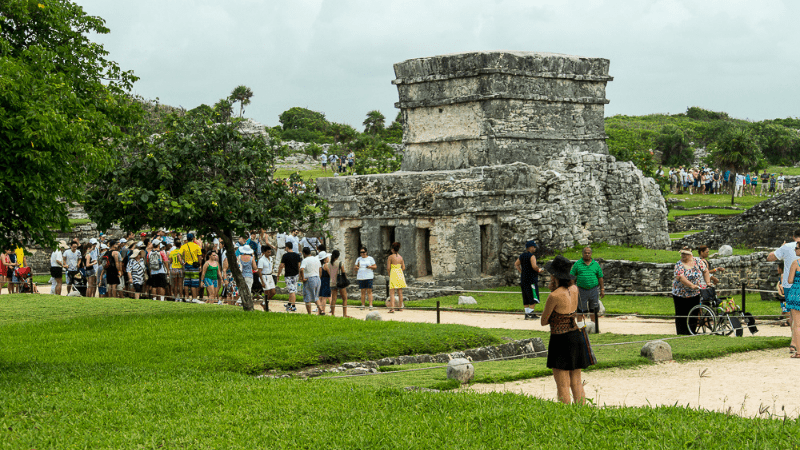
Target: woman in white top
{"x":365,"y":265}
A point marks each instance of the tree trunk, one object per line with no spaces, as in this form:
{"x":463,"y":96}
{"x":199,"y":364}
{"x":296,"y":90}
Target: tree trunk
{"x":244,"y":293}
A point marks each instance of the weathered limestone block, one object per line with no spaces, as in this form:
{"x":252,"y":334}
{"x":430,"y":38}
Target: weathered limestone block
{"x":460,"y":369}
{"x":374,"y":315}
{"x":466,"y":300}
{"x":657,"y":351}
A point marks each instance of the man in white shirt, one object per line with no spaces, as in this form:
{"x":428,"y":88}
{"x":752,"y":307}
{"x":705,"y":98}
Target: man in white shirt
{"x":739,"y":185}
{"x":780,"y":180}
{"x":71,"y":259}
{"x":294,"y":238}
{"x":309,"y":273}
{"x":786,"y":253}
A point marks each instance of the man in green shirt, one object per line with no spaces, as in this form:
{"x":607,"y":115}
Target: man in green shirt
{"x":589,"y":278}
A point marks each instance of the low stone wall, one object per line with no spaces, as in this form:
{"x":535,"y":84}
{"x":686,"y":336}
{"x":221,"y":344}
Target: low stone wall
{"x":697,"y":222}
{"x":634,"y":276}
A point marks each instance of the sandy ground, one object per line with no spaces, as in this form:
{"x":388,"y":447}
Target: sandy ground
{"x":743,"y":383}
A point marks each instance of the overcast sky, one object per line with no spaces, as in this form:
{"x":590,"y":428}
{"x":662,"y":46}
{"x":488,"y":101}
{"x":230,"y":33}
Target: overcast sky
{"x":336,"y":57}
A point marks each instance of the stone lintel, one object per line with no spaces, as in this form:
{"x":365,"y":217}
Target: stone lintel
{"x":521,"y":73}
{"x":477,"y":98}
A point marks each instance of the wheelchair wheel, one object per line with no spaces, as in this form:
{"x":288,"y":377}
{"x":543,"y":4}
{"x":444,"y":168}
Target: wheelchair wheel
{"x":701,"y":320}
{"x":726,"y":325}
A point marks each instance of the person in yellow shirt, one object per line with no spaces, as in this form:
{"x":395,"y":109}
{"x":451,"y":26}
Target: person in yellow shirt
{"x":192,"y":258}
{"x":176,"y":269}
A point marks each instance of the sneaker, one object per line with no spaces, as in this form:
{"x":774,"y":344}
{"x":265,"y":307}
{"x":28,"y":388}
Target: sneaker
{"x":219,"y":302}
{"x":361,"y":307}
{"x":288,"y":306}
{"x":294,"y":308}
{"x":370,"y":308}
{"x":198,"y":301}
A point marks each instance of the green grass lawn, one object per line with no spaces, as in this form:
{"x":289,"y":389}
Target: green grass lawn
{"x":635,"y":253}
{"x":304,"y":174}
{"x":682,"y":234}
{"x":111,"y":374}
{"x":673,"y":213}
{"x":786,"y":170}
{"x":695,"y":201}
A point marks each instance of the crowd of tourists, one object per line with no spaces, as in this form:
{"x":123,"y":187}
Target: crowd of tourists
{"x":339,"y":164}
{"x":705,"y":180}
{"x":166,"y":265}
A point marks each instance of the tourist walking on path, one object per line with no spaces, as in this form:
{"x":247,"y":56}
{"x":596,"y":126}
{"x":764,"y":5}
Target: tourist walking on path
{"x":589,"y":279}
{"x":397,"y":281}
{"x":529,"y":278}
{"x":309,"y":273}
{"x":335,"y":268}
{"x":210,"y":276}
{"x":566,"y":353}
{"x":365,"y":265}
{"x":324,"y":280}
{"x":265,"y":271}
{"x":290,"y":263}
{"x":690,"y":277}
{"x":793,"y":303}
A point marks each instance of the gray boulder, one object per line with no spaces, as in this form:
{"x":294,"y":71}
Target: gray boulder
{"x":374,"y":315}
{"x":657,"y":351}
{"x":460,"y":369}
{"x":465,"y":300}
{"x":725,"y":250}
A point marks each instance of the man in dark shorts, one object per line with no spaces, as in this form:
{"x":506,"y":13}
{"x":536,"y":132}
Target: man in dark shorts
{"x":290,"y":261}
{"x":57,"y":267}
{"x":589,"y":278}
{"x":529,"y":278}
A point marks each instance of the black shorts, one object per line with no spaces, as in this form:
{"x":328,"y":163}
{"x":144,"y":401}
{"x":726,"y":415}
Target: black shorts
{"x":71,"y":276}
{"x":112,"y":279}
{"x":57,"y":272}
{"x":10,"y":272}
{"x":158,"y":280}
{"x":137,"y":287}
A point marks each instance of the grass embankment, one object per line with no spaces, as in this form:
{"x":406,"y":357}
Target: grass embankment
{"x":682,"y":234}
{"x":635,"y":253}
{"x":131,"y":374}
{"x":788,"y":171}
{"x":304,"y":174}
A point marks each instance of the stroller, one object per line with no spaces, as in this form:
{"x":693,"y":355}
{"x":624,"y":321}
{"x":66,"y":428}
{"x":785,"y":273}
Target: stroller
{"x":24,"y":277}
{"x":79,"y":282}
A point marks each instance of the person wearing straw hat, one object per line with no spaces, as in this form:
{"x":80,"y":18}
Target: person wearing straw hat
{"x":246,"y":265}
{"x":529,"y":278}
{"x":566,"y":353}
{"x":691,"y":275}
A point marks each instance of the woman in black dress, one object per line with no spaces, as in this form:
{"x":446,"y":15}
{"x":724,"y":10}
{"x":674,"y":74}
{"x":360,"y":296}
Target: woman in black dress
{"x":566,"y":354}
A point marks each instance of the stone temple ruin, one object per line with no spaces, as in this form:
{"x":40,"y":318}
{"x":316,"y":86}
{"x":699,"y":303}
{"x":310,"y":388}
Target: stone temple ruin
{"x":501,"y":147}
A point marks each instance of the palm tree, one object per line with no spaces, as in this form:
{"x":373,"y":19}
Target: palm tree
{"x":241,"y":94}
{"x":374,"y":123}
{"x":737,"y":151}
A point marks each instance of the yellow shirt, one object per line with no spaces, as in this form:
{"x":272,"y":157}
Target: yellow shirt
{"x":191,"y":252}
{"x":20,"y":256}
{"x":174,"y":257}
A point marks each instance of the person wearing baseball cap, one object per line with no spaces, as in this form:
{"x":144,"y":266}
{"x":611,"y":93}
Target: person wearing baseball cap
{"x":529,"y":278}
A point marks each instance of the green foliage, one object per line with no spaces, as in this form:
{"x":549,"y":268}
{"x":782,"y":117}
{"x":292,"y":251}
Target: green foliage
{"x":674,"y":146}
{"x":304,"y":125}
{"x":241,"y":94}
{"x":373,"y":155}
{"x":738,"y":151}
{"x":222,"y":111}
{"x":203,"y":176}
{"x":394,"y":133}
{"x":780,"y":145}
{"x":697,"y":113}
{"x":375,"y":123}
{"x":313,"y":150}
{"x":63,"y":105}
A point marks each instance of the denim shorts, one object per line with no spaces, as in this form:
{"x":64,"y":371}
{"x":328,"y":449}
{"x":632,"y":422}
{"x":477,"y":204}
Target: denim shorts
{"x":365,"y":284}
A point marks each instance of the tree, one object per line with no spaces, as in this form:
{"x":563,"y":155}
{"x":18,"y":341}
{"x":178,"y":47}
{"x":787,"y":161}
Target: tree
{"x":374,"y":156}
{"x":394,"y":133}
{"x":674,"y":146}
{"x":241,"y":94}
{"x":374,"y":123}
{"x":63,"y":106}
{"x":203,"y":176}
{"x":737,"y":150}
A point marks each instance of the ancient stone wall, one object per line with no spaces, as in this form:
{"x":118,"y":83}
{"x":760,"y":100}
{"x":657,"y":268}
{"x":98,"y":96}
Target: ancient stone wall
{"x":492,"y":108}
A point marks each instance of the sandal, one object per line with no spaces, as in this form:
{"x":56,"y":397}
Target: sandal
{"x":793,"y":349}
{"x":796,"y":355}
{"x":391,"y":311}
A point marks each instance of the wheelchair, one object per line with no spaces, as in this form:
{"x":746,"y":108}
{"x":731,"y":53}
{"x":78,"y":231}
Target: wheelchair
{"x":720,"y":316}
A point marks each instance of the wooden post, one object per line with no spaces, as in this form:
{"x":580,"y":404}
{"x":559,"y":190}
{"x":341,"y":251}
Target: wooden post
{"x":744,"y":297}
{"x":596,"y":322}
{"x":438,"y":317}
